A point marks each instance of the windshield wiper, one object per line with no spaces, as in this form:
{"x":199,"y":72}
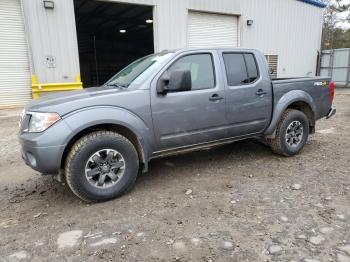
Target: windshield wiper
{"x":119,"y":85}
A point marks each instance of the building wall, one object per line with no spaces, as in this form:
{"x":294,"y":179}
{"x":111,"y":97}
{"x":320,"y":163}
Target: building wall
{"x":170,"y":18}
{"x":290,"y":29}
{"x":51,"y":32}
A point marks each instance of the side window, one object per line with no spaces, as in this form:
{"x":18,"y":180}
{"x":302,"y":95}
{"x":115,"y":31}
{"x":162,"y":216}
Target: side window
{"x":235,"y":69}
{"x":240,"y":68}
{"x":251,"y":67}
{"x":201,"y":67}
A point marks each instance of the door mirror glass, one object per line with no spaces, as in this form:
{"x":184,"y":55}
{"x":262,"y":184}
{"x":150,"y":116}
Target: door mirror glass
{"x":178,"y":80}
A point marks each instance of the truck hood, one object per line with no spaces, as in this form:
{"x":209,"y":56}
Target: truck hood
{"x":66,"y":102}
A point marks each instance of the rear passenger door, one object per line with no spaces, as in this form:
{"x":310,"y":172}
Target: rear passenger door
{"x":248,"y":94}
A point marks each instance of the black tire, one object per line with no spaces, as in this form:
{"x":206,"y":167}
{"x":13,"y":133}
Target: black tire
{"x":279,"y":145}
{"x":81,"y":152}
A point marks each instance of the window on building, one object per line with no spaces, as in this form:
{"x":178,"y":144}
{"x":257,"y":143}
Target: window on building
{"x":241,"y":68}
{"x":201,"y":67}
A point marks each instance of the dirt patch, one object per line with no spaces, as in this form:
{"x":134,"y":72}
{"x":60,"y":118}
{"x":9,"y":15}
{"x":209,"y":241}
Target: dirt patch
{"x":238,"y":202}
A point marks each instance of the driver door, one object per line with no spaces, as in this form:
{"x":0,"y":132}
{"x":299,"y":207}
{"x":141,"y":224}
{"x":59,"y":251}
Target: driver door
{"x":191,"y":117}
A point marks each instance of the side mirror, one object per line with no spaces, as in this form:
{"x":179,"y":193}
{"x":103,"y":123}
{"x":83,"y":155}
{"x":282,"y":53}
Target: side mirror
{"x":179,"y":80}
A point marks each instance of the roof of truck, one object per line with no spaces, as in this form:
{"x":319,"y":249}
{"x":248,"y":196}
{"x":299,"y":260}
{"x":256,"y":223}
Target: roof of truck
{"x":210,"y":48}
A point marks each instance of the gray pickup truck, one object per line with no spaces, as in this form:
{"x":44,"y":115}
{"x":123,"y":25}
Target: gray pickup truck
{"x":98,"y":139}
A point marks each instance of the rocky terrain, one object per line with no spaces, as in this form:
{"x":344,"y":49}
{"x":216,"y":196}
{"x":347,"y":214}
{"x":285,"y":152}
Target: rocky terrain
{"x":237,"y":202}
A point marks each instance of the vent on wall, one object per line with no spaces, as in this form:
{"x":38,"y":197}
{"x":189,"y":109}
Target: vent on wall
{"x":272,"y":61}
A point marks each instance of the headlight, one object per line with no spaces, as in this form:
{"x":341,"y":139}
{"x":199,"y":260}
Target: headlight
{"x":41,"y":121}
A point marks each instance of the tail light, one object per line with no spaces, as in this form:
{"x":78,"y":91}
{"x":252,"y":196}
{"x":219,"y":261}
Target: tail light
{"x":331,"y":91}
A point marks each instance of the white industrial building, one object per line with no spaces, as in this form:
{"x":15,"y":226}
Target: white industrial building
{"x":50,"y":45}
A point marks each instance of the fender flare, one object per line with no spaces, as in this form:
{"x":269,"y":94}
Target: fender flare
{"x":284,"y":102}
{"x":85,"y":118}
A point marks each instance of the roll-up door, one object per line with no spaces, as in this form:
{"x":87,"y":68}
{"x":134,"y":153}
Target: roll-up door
{"x":15,"y":79}
{"x":212,"y":30}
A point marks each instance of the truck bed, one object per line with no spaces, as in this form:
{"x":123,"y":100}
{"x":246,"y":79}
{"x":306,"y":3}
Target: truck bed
{"x":316,"y":87}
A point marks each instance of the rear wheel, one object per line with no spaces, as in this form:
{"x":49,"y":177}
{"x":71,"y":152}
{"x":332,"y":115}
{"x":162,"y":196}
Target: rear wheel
{"x":100,"y":166}
{"x":291,"y":133}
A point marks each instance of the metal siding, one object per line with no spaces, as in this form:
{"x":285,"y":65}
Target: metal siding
{"x":14,"y":62}
{"x":170,"y":20}
{"x":290,"y":29}
{"x":212,"y":30}
{"x":171,"y":24}
{"x":52,"y":32}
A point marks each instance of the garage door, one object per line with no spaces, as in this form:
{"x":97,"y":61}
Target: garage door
{"x":212,"y":30}
{"x":15,"y":80}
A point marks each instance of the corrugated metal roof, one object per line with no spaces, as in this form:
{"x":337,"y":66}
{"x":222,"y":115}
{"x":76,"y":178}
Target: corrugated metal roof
{"x":318,"y":3}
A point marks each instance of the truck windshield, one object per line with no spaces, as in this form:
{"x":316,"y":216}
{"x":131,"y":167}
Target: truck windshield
{"x":134,"y":71}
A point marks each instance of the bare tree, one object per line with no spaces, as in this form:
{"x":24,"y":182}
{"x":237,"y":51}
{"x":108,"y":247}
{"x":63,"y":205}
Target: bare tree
{"x":331,"y":22}
{"x":339,"y":6}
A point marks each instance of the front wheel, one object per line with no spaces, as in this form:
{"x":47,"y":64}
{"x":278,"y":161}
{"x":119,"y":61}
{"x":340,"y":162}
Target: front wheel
{"x":101,"y":165}
{"x":291,"y":133}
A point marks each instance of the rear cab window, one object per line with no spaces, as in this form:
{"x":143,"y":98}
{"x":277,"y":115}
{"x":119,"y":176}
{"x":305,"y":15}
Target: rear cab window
{"x":241,"y":68}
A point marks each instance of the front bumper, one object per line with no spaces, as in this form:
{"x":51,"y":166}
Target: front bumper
{"x":46,"y":160}
{"x":331,"y":112}
{"x":43,"y":151}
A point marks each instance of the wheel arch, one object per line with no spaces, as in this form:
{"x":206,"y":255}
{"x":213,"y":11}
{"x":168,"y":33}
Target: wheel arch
{"x":114,"y":119}
{"x":296,"y":99}
{"x":118,"y":128}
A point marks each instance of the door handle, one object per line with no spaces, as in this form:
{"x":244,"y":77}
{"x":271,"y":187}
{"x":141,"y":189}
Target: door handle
{"x":215,"y":97}
{"x":260,"y":92}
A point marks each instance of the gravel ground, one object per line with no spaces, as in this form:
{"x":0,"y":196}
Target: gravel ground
{"x":233,"y":203}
